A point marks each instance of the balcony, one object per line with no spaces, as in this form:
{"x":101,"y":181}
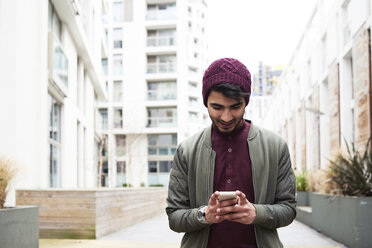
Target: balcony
{"x":160,"y":15}
{"x":156,"y":95}
{"x":166,"y":67}
{"x":161,"y":41}
{"x":162,"y":121}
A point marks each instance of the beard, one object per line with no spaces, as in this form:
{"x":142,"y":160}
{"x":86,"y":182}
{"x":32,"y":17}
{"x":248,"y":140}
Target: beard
{"x":227,"y":127}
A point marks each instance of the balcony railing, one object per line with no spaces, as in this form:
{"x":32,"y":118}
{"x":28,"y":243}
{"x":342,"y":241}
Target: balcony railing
{"x":161,"y":67}
{"x":162,"y":122}
{"x":161,"y":150}
{"x":161,"y":41}
{"x":154,"y":95}
{"x":169,"y":14}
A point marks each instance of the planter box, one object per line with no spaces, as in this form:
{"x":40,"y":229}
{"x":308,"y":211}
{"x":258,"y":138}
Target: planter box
{"x":92,"y":213}
{"x":344,"y":218}
{"x":302,"y":198}
{"x":19,"y":227}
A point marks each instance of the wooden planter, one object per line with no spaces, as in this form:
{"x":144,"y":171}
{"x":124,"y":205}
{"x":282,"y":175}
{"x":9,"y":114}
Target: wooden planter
{"x":344,"y":218}
{"x":19,"y":227}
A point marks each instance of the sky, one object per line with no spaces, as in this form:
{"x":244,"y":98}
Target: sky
{"x":256,"y":30}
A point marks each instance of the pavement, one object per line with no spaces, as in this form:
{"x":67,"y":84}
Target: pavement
{"x":155,"y":233}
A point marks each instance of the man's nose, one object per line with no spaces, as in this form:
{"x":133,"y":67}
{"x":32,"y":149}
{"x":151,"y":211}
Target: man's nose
{"x":226,"y":115}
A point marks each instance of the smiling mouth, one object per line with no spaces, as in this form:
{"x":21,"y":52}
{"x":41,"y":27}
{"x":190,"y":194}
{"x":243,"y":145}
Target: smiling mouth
{"x":226,"y":124}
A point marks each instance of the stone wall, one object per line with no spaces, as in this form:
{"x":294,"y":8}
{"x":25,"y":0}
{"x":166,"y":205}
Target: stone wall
{"x":334,"y":108}
{"x":361,"y":78}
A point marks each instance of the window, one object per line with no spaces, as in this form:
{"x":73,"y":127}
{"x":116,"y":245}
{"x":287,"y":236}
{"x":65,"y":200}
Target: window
{"x":193,"y":87}
{"x":118,"y":38}
{"x":193,"y":117}
{"x":120,"y":145}
{"x":54,"y":141}
{"x":162,"y":117}
{"x":161,"y":11}
{"x":160,"y":166}
{"x":104,"y":66}
{"x":118,"y":118}
{"x":117,"y":91}
{"x":161,"y":64}
{"x":104,"y":115}
{"x":162,"y":144}
{"x":54,"y":23}
{"x":159,"y":172}
{"x":120,"y":173}
{"x":118,"y":64}
{"x":118,"y":12}
{"x":161,"y":90}
{"x":193,"y":102}
{"x":163,"y":37}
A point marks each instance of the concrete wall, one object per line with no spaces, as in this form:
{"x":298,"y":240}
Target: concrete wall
{"x":90,"y":214}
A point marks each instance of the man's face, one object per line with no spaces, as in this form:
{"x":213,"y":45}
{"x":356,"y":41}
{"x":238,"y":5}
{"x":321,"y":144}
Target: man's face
{"x":226,"y":113}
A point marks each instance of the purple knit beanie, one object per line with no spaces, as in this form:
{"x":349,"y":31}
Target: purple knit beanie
{"x":226,"y":70}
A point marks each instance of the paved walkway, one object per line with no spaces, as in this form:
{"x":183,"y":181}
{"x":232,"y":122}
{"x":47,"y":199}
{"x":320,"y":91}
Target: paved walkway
{"x":155,"y":233}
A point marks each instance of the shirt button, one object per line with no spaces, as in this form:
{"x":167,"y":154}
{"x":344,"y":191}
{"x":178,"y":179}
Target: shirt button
{"x":229,"y":166}
{"x":228,"y":181}
{"x":229,"y":138}
{"x":229,"y":150}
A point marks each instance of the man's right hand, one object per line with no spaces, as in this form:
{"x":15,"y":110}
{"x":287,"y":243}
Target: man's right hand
{"x":212,"y":212}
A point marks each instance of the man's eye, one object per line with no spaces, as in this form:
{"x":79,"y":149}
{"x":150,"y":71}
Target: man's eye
{"x":236,"y":106}
{"x":217,"y":107}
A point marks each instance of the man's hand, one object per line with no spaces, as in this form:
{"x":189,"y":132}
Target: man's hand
{"x":238,"y":210}
{"x":211,"y":212}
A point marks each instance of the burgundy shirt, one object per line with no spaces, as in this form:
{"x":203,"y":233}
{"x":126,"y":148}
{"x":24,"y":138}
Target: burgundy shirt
{"x":233,"y":171}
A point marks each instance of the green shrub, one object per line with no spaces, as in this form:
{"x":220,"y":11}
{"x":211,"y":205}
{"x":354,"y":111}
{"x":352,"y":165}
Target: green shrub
{"x":156,"y":185}
{"x":127,"y":185}
{"x":301,"y":181}
{"x":352,"y":173}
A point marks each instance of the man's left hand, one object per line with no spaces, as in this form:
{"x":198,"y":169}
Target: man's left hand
{"x":243,"y":211}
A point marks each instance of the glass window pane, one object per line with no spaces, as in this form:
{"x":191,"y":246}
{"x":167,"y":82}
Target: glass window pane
{"x":165,"y":166}
{"x":152,"y":179}
{"x":163,"y":151}
{"x":165,"y":139}
{"x":118,"y":12}
{"x":152,"y":151}
{"x":152,"y":140}
{"x":153,"y":167}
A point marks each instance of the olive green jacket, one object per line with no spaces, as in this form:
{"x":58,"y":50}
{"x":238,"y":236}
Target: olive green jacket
{"x":191,"y":185}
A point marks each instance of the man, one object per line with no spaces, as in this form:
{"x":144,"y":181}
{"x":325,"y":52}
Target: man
{"x":231,"y":155}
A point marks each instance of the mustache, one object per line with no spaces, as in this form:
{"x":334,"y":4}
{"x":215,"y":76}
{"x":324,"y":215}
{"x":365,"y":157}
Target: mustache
{"x":226,"y":123}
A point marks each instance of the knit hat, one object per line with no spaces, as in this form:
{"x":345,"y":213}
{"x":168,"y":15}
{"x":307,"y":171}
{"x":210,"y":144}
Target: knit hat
{"x":226,"y":70}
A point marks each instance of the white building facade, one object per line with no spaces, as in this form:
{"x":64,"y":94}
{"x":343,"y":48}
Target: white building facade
{"x":50,"y":78}
{"x":323,"y":96}
{"x":155,"y":63}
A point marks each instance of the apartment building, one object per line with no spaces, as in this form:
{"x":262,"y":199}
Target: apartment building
{"x":155,"y":62}
{"x":324,"y":95}
{"x":50,"y":78}
{"x":263,"y":85}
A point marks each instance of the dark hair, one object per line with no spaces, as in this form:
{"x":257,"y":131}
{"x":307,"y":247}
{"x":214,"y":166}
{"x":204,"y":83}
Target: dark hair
{"x":229,"y":90}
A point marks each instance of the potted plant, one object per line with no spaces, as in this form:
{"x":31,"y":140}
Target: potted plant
{"x":346,"y":213}
{"x":19,"y":225}
{"x":301,"y":188}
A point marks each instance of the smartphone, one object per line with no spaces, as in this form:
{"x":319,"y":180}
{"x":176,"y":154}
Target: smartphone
{"x":227,"y":195}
